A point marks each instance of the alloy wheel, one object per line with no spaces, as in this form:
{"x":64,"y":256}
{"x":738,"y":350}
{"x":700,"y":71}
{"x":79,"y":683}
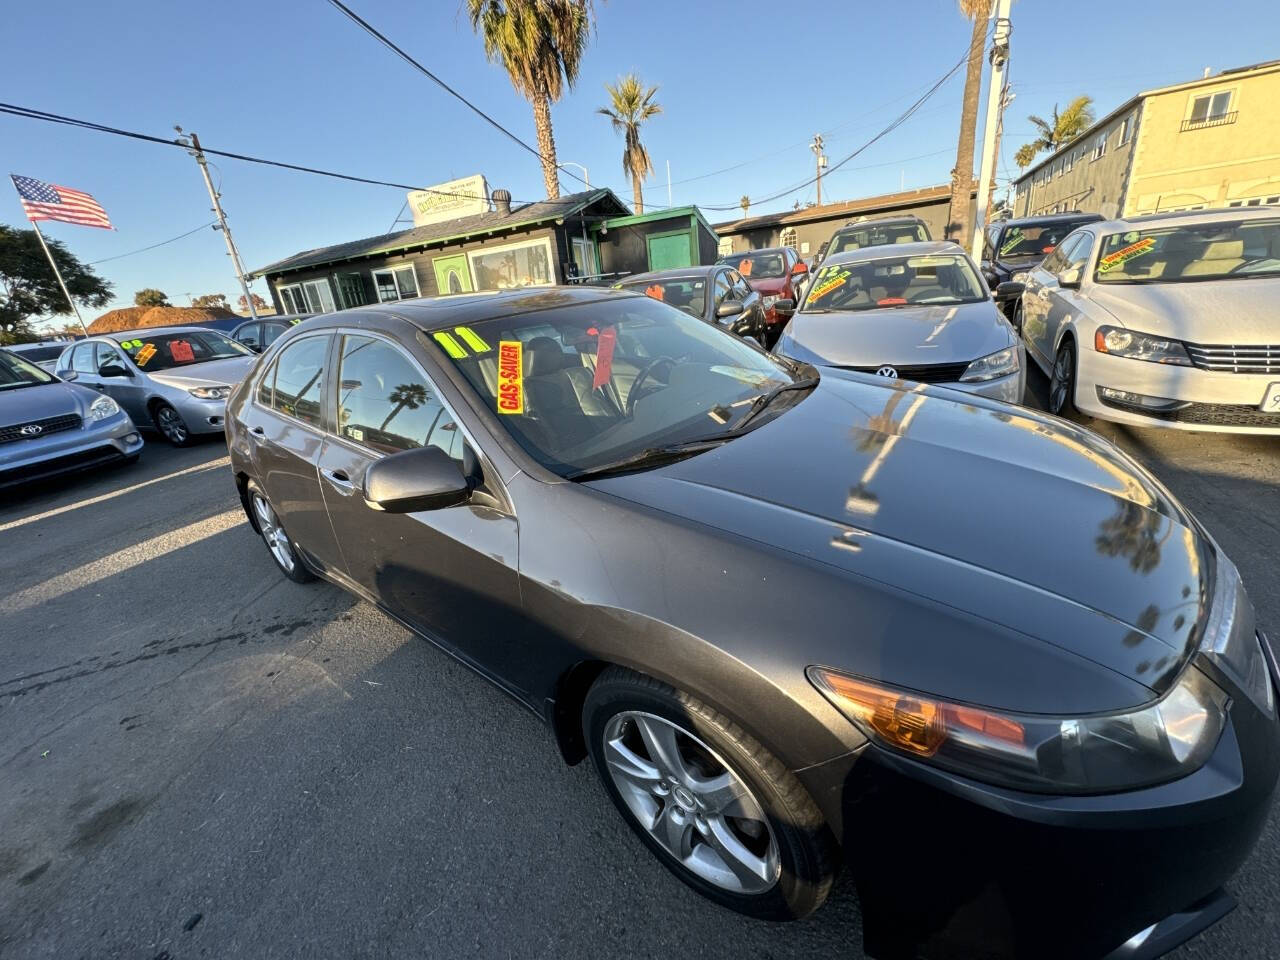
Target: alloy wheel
{"x":691,"y":803}
{"x":1060,"y":382}
{"x":276,"y":539}
{"x":171,"y":425}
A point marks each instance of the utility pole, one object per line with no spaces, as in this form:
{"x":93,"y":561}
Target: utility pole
{"x":816,"y":146}
{"x":196,"y":152}
{"x":999,"y":57}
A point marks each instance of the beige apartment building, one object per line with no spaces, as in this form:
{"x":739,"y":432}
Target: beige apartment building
{"x":1212,"y":142}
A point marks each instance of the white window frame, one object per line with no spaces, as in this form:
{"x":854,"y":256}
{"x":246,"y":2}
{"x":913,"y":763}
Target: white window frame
{"x":583,"y":252}
{"x":1126,"y":130}
{"x":323,"y":289}
{"x":292,"y":298}
{"x":1099,"y":147}
{"x":544,"y":242}
{"x":1208,"y":117}
{"x":377,"y":291}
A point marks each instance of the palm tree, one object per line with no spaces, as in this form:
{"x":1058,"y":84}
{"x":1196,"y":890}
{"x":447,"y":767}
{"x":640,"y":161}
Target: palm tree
{"x":1060,"y":128}
{"x":540,"y":43}
{"x":962,"y":174}
{"x":745,"y":204}
{"x":411,"y":395}
{"x":631,"y":104}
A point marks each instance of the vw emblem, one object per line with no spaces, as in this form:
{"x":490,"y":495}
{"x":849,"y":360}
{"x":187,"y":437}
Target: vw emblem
{"x":889,"y":372}
{"x":32,"y":430}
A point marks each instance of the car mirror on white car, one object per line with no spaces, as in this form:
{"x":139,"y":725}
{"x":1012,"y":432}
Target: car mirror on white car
{"x":1069,"y":278}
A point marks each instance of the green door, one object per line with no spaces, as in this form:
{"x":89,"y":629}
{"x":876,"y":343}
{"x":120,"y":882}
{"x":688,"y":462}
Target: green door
{"x":667,"y":251}
{"x":452,"y":275}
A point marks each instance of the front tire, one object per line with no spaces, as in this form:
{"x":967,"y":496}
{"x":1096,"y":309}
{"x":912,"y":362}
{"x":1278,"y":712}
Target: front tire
{"x":279,"y":544}
{"x":1062,"y":381}
{"x":718,"y":809}
{"x":171,"y":425}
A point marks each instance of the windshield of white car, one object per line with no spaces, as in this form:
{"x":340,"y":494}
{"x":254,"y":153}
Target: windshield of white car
{"x":16,"y":373}
{"x":685,"y":293}
{"x":759,"y":265}
{"x":183,"y":348}
{"x":1221,"y":250}
{"x":877,"y":236}
{"x":894,"y":282}
{"x":582,"y":386}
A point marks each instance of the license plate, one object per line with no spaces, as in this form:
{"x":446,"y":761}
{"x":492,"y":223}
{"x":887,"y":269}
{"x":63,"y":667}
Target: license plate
{"x":1271,"y":399}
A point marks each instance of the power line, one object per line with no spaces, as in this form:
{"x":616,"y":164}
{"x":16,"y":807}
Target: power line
{"x":181,"y":236}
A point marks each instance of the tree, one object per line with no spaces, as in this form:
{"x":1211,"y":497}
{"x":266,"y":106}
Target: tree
{"x":1060,"y":128}
{"x":962,"y":174}
{"x":745,"y":204}
{"x":28,"y":287}
{"x":212,"y":300}
{"x":258,"y":303}
{"x":540,"y":43}
{"x":150,"y":297}
{"x":631,"y":104}
{"x":411,"y":395}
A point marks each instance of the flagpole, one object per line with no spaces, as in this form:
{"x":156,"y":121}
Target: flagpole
{"x":57,"y":273}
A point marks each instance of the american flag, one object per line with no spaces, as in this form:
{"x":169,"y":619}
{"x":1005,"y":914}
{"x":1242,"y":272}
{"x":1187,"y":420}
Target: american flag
{"x":46,"y":201}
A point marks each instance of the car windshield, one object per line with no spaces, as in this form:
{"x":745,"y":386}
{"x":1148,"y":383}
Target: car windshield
{"x":894,"y":282}
{"x":873,"y":235}
{"x":1032,"y":240}
{"x":1220,"y":250}
{"x":579,"y":386}
{"x":686,"y":293}
{"x":16,"y":372}
{"x":164,"y":351}
{"x":760,"y":265}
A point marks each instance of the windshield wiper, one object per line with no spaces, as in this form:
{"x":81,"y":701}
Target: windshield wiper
{"x":650,"y":457}
{"x":761,"y":402}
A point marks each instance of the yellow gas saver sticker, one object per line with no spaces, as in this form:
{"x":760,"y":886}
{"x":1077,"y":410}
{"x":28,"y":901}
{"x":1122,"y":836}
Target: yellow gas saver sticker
{"x":510,"y":376}
{"x":1122,"y":256}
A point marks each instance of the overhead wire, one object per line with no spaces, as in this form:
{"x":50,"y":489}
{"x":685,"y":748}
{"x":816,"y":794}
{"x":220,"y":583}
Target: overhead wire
{"x":181,"y":236}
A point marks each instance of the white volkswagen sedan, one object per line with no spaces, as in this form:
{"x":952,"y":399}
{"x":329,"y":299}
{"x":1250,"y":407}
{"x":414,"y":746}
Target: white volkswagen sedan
{"x":1170,"y":320}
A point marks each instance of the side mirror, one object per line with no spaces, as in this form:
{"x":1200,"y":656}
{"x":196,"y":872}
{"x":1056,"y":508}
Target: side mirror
{"x":1069,"y":278}
{"x":800,"y":269}
{"x":67,"y":375}
{"x":784,"y":305}
{"x":1009,"y":290}
{"x":728,"y":308}
{"x":423,"y":479}
{"x":113,"y":370}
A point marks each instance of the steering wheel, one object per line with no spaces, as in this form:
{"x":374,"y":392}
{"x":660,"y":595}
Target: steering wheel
{"x":640,"y":378}
{"x":1248,"y":263}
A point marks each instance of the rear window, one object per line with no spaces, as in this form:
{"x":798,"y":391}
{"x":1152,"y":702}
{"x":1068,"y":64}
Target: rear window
{"x":873,"y":235}
{"x":1035,"y":241}
{"x":757,"y":265}
{"x":688,"y":293}
{"x":39,"y":354}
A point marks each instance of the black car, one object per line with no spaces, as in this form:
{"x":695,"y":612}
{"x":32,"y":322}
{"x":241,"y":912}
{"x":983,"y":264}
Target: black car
{"x":259,"y":334}
{"x":717,"y":294}
{"x":787,"y":616}
{"x":1013,"y":246}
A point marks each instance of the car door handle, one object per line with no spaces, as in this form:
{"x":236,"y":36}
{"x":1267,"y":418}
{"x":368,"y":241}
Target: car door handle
{"x":338,"y":478}
{"x":258,"y":431}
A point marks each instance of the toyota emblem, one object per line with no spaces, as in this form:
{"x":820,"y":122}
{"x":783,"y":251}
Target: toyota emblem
{"x":889,"y":372}
{"x":32,"y":430}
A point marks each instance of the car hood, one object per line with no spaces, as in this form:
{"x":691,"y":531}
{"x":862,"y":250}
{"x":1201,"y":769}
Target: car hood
{"x":1204,"y":311}
{"x":212,"y":373}
{"x":24,"y":404}
{"x":1021,"y":520}
{"x":897,"y":335}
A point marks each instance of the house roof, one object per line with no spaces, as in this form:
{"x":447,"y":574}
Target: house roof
{"x":669,"y":213}
{"x":846,"y":208}
{"x":460,"y":228}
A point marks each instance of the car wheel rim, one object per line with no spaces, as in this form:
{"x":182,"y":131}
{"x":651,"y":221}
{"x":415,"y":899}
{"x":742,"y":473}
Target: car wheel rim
{"x":691,"y":803}
{"x":171,"y":424}
{"x":277,"y":541}
{"x":1061,"y":381}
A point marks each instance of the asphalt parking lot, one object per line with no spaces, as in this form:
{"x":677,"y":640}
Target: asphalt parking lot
{"x":201,"y":758}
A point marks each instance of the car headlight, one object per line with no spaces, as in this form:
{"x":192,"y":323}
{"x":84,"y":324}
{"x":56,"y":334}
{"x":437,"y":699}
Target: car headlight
{"x":104,"y":408}
{"x":1099,"y":753}
{"x":210,"y":393}
{"x":998,"y":364}
{"x":1140,"y":346}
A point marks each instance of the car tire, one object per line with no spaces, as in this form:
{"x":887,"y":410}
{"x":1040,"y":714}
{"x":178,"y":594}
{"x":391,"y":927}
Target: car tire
{"x":1062,"y":380}
{"x":773,"y":858}
{"x":171,"y":425}
{"x":280,"y":545}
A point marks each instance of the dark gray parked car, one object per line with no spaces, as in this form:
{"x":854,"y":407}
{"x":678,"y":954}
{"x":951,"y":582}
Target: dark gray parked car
{"x":717,"y":294}
{"x":787,"y":617}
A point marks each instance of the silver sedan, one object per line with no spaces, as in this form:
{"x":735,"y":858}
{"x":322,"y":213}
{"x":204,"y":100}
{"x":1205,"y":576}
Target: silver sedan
{"x":911,"y":311}
{"x":174,"y":378}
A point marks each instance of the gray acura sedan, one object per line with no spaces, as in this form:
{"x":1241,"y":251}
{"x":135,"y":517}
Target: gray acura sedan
{"x":912,"y":311}
{"x":777,"y":611}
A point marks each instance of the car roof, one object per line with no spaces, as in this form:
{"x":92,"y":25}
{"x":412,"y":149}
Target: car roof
{"x":1185,"y":218}
{"x":118,"y":335}
{"x":270,"y":317}
{"x":881,"y":221}
{"x":747,"y":253}
{"x":919,"y":249}
{"x":1079,"y":217}
{"x":700,"y":272}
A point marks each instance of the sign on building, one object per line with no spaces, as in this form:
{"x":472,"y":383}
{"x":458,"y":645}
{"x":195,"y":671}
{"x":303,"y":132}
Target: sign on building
{"x":448,"y":201}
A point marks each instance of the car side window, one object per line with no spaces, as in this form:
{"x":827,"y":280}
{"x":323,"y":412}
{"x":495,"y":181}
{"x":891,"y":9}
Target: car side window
{"x":250,"y":334}
{"x":741,"y":289}
{"x":1080,"y":249}
{"x":266,"y":386}
{"x":387,"y":405}
{"x":82,"y":358}
{"x":271,"y":333}
{"x":107,"y":354}
{"x":722,"y":287}
{"x":1056,"y":260}
{"x":299,"y":385}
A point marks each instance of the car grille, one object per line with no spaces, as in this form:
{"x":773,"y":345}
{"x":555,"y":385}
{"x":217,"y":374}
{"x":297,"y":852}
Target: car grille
{"x":1220,"y":415}
{"x":81,"y":460}
{"x":48,"y":425}
{"x":1237,"y":358}
{"x":921,"y":373}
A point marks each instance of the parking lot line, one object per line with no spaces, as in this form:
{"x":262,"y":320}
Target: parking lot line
{"x":199,"y":468}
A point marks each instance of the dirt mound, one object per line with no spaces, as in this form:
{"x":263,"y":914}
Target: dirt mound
{"x":133,"y":318}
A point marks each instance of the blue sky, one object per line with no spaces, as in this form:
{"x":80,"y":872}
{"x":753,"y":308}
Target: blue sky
{"x":746,"y":84}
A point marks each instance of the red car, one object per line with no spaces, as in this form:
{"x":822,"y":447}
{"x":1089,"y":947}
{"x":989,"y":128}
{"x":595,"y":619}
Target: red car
{"x":776,"y":274}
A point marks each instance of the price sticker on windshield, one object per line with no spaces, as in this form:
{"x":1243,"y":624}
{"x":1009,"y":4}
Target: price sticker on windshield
{"x":1271,"y":399}
{"x":510,"y":376}
{"x":145,"y":354}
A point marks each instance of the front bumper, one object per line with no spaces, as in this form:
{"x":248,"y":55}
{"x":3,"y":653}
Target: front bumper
{"x":201,"y":416}
{"x":1217,"y":401}
{"x":1010,"y":389}
{"x":94,"y":444}
{"x":948,"y":868}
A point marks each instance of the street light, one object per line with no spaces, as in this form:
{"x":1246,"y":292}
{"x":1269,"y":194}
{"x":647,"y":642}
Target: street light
{"x":586,"y":177}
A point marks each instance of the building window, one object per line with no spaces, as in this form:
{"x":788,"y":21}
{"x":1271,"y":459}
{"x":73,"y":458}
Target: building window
{"x":1126,"y":130}
{"x":1100,"y":146}
{"x":292,"y":300}
{"x":788,"y":238}
{"x":319,"y":296}
{"x":1068,"y":161}
{"x":584,"y":257}
{"x":398,"y":283}
{"x":513,"y":265}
